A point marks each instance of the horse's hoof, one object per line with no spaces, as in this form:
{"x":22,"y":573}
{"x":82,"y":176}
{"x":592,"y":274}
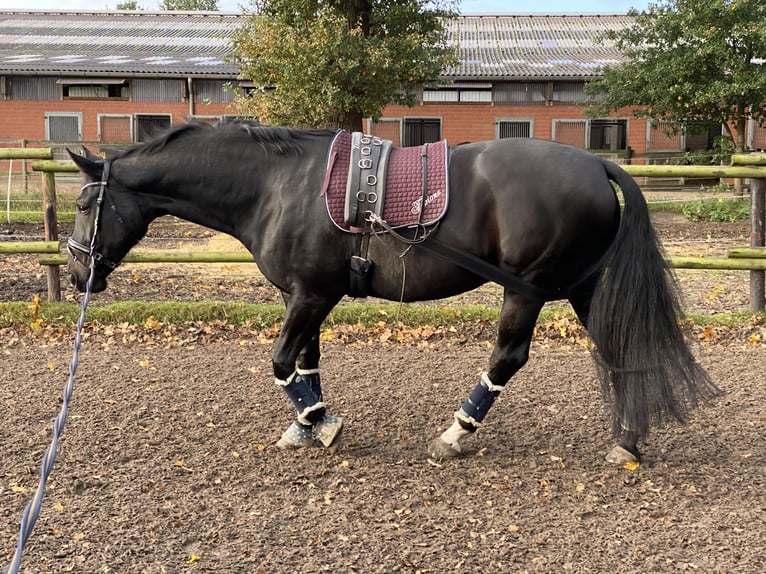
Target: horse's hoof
{"x":296,"y":436}
{"x":328,"y":431}
{"x":442,"y":450}
{"x":619,"y":456}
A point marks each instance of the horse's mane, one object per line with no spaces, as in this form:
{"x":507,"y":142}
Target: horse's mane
{"x":278,"y":140}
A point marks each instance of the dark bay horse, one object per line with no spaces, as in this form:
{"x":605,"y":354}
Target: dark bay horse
{"x":545,"y":213}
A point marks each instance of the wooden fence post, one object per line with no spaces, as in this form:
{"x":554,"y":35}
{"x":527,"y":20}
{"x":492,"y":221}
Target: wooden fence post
{"x":51,"y":232}
{"x":757,"y":239}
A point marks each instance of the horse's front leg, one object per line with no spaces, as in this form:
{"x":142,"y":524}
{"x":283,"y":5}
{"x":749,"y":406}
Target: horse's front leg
{"x":299,"y":378}
{"x":516,"y":325}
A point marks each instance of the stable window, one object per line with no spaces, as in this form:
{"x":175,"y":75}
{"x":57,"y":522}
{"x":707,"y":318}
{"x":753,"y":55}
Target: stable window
{"x":93,"y":88}
{"x":573,"y":93}
{"x":757,"y":136}
{"x":149,"y":125}
{"x":64,"y":127}
{"x":520,"y":93}
{"x":157,"y":90}
{"x":610,"y":134}
{"x":419,"y":131}
{"x":32,"y":88}
{"x":459,"y":92}
{"x":662,"y":135}
{"x":572,"y":132}
{"x":387,"y":129}
{"x":213,"y":91}
{"x":514,"y":128}
{"x":115,"y":128}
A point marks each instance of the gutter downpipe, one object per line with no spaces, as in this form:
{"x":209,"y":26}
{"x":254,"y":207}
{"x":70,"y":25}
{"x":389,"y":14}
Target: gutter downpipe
{"x":191,"y":97}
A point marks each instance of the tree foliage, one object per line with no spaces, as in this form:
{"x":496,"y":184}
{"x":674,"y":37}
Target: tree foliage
{"x":128,"y":5}
{"x":331,"y":63}
{"x":699,"y":63}
{"x":189,"y":5}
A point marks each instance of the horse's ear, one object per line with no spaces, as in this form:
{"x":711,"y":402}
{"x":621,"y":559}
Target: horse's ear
{"x":90,"y":155}
{"x":92,"y":165}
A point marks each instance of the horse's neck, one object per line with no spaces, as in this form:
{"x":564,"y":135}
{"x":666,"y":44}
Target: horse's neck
{"x":197,"y":196}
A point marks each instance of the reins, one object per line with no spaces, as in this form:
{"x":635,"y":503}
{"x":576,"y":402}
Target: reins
{"x":32,"y":510}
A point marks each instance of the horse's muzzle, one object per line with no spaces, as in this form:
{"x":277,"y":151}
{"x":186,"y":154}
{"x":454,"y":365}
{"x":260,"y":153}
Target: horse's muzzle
{"x":78,"y":277}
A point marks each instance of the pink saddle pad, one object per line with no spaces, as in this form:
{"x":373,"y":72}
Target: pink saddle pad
{"x":403,"y":199}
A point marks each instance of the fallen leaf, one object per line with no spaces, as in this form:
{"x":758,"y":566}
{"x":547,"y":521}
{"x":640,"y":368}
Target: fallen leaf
{"x":631,"y":465}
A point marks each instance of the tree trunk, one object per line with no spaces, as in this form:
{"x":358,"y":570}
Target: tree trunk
{"x":352,"y":121}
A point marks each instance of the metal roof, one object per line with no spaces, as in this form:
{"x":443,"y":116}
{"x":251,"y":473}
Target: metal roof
{"x":138,"y":43}
{"x":534,"y":46}
{"x":110,"y":43}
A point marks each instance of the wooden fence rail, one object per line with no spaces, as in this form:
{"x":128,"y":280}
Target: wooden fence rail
{"x":752,"y":258}
{"x":740,"y":258}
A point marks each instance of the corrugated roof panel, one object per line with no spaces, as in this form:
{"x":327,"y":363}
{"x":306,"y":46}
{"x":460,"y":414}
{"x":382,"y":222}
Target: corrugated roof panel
{"x":197,"y":43}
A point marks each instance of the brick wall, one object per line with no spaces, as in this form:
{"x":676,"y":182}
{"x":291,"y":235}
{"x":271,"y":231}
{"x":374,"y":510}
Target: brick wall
{"x":26,"y":119}
{"x":460,"y":122}
{"x":463,"y":122}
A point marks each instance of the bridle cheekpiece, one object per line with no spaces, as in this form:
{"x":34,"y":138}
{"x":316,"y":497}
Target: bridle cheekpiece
{"x":73,"y":246}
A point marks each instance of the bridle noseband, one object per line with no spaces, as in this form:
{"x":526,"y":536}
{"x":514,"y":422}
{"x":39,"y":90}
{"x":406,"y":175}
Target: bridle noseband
{"x":73,"y":246}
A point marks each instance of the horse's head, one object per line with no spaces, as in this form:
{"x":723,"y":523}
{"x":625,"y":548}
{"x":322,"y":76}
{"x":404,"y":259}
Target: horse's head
{"x":107,"y":224}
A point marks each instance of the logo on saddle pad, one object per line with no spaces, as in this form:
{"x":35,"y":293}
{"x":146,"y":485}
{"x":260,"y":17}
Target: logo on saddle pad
{"x":367,"y":175}
{"x":416,"y":205}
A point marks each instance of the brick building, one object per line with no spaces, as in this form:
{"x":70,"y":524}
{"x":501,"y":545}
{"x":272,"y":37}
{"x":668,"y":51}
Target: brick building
{"x":115,"y":77}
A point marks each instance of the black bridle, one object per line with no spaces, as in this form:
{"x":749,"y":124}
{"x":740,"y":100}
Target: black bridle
{"x":75,"y":247}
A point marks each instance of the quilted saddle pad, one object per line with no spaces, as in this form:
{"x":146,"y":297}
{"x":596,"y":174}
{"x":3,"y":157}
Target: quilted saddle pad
{"x":403,"y":197}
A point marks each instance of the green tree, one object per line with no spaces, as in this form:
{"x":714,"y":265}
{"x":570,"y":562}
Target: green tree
{"x":332,"y":63}
{"x":189,"y":5}
{"x":698,"y":63}
{"x":129,"y":5}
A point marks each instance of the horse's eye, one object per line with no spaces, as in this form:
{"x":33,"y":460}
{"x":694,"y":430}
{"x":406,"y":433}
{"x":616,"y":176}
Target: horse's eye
{"x":82,"y":208}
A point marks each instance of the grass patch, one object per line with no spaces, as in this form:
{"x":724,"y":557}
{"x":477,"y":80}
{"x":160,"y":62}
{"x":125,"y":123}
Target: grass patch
{"x":27,"y":207}
{"x":717,"y":209}
{"x":260,"y":316}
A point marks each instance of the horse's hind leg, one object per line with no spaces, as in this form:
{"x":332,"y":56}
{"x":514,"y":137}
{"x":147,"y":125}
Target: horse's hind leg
{"x":626,"y":449}
{"x":515,"y":329}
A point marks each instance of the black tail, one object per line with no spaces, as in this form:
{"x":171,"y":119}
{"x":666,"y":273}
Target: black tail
{"x":634,"y":322}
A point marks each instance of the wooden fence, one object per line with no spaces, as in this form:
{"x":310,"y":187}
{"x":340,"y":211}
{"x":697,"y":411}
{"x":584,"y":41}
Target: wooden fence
{"x":752,"y":258}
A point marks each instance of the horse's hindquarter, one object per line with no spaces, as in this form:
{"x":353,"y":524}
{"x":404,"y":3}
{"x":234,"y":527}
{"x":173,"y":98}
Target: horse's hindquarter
{"x":538,"y":209}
